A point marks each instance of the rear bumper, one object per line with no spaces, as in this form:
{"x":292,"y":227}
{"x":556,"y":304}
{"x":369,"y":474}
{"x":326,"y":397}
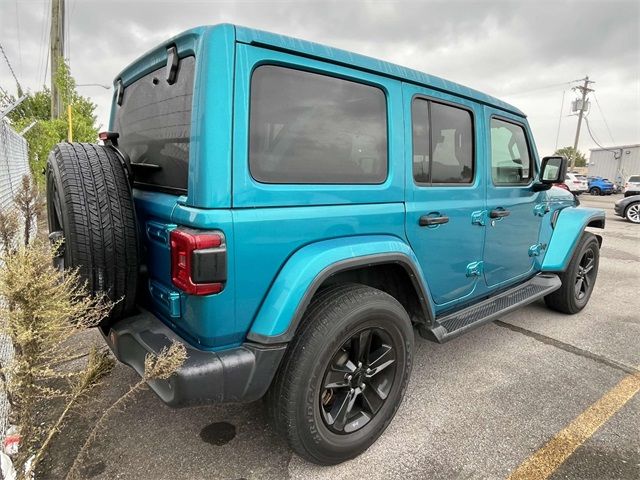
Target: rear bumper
{"x":241,"y":374}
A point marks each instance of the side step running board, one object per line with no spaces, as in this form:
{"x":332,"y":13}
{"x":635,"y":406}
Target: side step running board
{"x":453,"y":324}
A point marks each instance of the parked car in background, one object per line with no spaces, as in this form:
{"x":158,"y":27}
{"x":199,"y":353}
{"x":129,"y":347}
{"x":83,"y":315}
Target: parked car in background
{"x":600,"y":186}
{"x":629,"y":208}
{"x":615,"y":187}
{"x":576,"y":184}
{"x":632,"y":186}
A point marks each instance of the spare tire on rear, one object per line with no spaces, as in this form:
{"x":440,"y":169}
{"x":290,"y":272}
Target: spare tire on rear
{"x":90,"y":210}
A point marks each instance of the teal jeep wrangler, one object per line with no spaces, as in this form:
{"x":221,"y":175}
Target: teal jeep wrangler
{"x":293,"y":213}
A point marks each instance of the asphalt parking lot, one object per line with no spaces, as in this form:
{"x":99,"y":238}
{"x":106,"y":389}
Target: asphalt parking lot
{"x":476,"y":407}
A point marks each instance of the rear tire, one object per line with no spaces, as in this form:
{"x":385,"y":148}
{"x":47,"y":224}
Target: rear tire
{"x":579,"y":278}
{"x":90,"y":209}
{"x":595,"y":191}
{"x":342,"y":322}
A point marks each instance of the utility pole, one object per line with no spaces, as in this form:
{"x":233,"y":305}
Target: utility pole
{"x":57,"y":53}
{"x":584,"y":89}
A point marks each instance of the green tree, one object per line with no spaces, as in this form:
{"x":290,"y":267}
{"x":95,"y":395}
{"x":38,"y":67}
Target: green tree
{"x":570,"y":153}
{"x":47,"y":132}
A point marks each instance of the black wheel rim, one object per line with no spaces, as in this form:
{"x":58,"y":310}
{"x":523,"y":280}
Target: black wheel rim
{"x":585,"y":275}
{"x":358,"y":381}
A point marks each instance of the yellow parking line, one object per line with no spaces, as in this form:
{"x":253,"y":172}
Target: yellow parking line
{"x":545,"y":461}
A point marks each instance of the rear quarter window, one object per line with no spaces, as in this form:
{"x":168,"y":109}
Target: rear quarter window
{"x":308,"y":128}
{"x":154,"y":123}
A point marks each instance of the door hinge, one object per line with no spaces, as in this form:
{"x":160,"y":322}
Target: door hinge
{"x":479,"y":217}
{"x":541,"y":209}
{"x":474,"y":269}
{"x":535,"y":250}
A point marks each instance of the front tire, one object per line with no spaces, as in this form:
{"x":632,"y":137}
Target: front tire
{"x":344,"y":374}
{"x":579,"y":278}
{"x":632,"y":212}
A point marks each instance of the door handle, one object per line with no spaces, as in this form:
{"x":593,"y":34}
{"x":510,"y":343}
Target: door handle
{"x":499,"y":213}
{"x":427,"y":221}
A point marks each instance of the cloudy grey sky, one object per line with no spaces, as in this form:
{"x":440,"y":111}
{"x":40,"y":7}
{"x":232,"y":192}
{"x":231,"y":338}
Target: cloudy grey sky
{"x":524,"y":52}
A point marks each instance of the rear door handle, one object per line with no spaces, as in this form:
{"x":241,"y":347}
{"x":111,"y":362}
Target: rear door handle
{"x":427,"y":221}
{"x":499,"y":213}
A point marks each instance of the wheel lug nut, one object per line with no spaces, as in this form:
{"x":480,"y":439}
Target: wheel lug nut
{"x":362,"y":386}
{"x":349,"y":377}
{"x":359,"y":364}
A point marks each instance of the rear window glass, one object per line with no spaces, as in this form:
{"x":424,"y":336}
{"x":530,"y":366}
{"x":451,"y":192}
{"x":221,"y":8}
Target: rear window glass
{"x":315,"y":129}
{"x":154,"y":123}
{"x":635,"y":179}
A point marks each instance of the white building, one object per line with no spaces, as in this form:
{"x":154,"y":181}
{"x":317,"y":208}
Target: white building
{"x":615,"y":163}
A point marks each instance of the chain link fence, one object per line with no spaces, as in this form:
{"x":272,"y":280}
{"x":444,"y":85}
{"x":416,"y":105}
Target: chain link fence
{"x":14,"y":164}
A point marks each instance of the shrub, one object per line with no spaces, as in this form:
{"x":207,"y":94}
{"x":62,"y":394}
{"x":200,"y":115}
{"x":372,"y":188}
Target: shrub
{"x":43,"y":309}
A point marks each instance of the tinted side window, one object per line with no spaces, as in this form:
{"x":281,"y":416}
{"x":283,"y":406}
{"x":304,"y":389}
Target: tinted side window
{"x":421,"y":141}
{"x":311,"y":128}
{"x":442,"y":143}
{"x":452,"y":144}
{"x":510,"y":160}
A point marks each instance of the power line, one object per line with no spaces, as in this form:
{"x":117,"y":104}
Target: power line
{"x":537,"y":89}
{"x":67,"y":43}
{"x":43,"y":40}
{"x":73,"y":4}
{"x":18,"y":33}
{"x":603,"y":117}
{"x":47,"y":43}
{"x":586,"y":121}
{"x":11,"y":69}
{"x":560,"y":119}
{"x":46,"y":67}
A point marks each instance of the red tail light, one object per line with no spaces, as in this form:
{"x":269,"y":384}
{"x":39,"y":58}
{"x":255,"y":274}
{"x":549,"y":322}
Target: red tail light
{"x":198,"y":261}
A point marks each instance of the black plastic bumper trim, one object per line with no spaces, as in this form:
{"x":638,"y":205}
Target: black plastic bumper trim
{"x":241,"y":374}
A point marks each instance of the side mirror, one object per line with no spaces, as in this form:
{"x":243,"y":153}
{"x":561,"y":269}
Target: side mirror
{"x":553,"y":170}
